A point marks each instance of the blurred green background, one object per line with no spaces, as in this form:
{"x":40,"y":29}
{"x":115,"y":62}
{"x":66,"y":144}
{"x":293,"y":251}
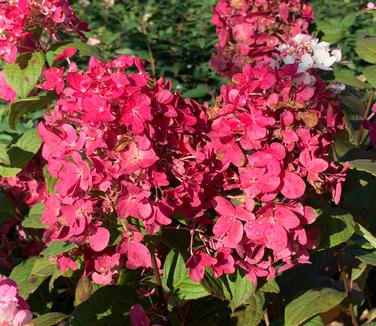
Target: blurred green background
{"x":177,"y":40}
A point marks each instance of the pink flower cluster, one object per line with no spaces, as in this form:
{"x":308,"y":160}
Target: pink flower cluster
{"x":126,"y":153}
{"x":272,"y":134}
{"x":19,"y":19}
{"x":130,"y":155}
{"x":14,"y":311}
{"x":250,"y":30}
{"x":27,"y":188}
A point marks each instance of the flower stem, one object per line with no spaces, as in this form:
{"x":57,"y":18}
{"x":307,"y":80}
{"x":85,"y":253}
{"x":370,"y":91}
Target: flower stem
{"x":347,"y":285}
{"x":366,"y":112}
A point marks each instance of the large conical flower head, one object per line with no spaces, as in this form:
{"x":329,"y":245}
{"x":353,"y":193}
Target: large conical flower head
{"x":250,"y":31}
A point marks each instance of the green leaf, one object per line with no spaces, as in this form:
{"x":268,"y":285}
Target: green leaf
{"x":353,"y":100}
{"x":240,"y":289}
{"x":315,"y":321}
{"x":57,"y":273}
{"x":26,"y":282}
{"x":108,"y":305}
{"x":364,"y":255}
{"x":364,"y":165}
{"x":84,"y":289}
{"x":348,"y":20}
{"x":21,"y":152}
{"x":332,"y":32}
{"x":209,"y":312}
{"x":361,"y":230}
{"x":176,"y":278}
{"x":366,"y":49}
{"x":253,"y":312}
{"x":370,"y":74}
{"x":43,"y":267}
{"x":311,"y":303}
{"x":347,"y":77}
{"x":200,"y":91}
{"x":336,"y":225}
{"x":50,"y":319}
{"x":372,"y":314}
{"x":50,"y":180}
{"x":30,"y":104}
{"x":84,"y":49}
{"x":33,"y":220}
{"x":270,"y":287}
{"x":358,"y":271}
{"x":7,"y":210}
{"x":24,"y":73}
{"x":215,"y":286}
{"x":56,"y":248}
{"x":4,"y":157}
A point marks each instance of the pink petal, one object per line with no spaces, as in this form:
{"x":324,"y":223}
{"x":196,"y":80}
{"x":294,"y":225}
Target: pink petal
{"x":293,"y":186}
{"x":138,"y":256}
{"x":318,"y":165}
{"x":310,"y":214}
{"x":286,"y":217}
{"x":235,"y":233}
{"x":138,"y":316}
{"x":276,"y":237}
{"x":222,"y":226}
{"x":99,"y":240}
{"x":223,"y":206}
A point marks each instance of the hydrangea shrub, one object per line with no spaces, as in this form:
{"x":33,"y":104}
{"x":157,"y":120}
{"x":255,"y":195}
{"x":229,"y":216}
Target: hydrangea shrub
{"x":125,"y":202}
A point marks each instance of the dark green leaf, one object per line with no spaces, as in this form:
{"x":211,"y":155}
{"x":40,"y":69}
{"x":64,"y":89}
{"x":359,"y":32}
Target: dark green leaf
{"x":365,"y":256}
{"x":312,"y":303}
{"x":210,"y":312}
{"x":215,"y":286}
{"x":361,"y":230}
{"x":84,"y":289}
{"x":7,"y":210}
{"x":337,"y":226}
{"x":253,"y":312}
{"x":176,"y":278}
{"x":364,"y":165}
{"x":49,"y":319}
{"x":240,"y":289}
{"x":30,"y":104}
{"x":315,"y":321}
{"x":108,"y":305}
{"x":21,"y":152}
{"x":353,"y":100}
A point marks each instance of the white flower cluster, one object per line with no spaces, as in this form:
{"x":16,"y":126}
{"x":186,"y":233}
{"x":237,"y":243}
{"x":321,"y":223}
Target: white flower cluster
{"x":308,"y":53}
